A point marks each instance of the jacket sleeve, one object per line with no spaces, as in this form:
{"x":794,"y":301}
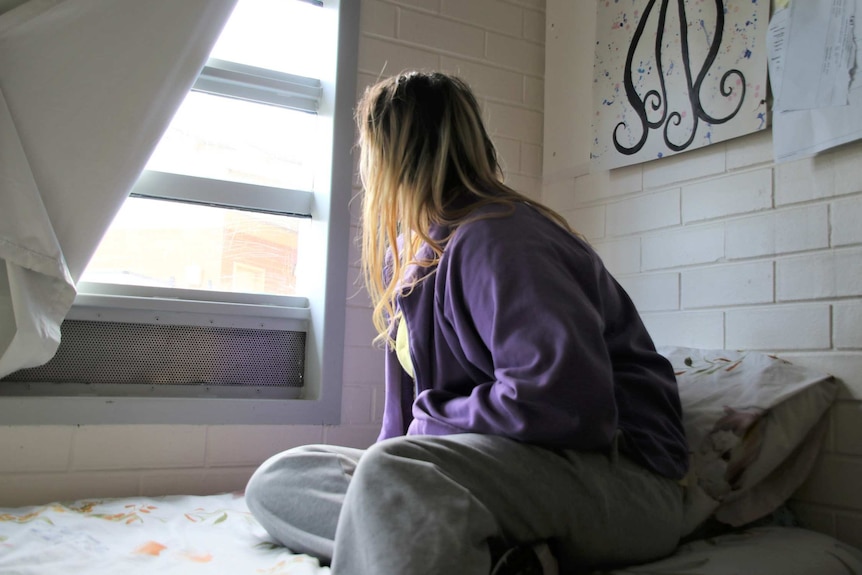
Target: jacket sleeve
{"x":526,"y":311}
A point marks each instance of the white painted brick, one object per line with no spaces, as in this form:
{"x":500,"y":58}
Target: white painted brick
{"x":359,"y":436}
{"x":848,"y":528}
{"x":531,"y":160}
{"x":382,"y":58}
{"x":625,"y":180}
{"x":803,"y":180}
{"x":534,"y":26}
{"x":356,"y":405}
{"x":845,"y":366}
{"x":847,"y":325}
{"x":379,"y":396}
{"x":363,"y":365}
{"x":486,"y":14}
{"x":377,"y":18}
{"x":834,"y":481}
{"x":34,"y":448}
{"x":735,"y":194}
{"x":801,"y":229}
{"x":700,"y":163}
{"x":847,"y":164}
{"x":522,"y":55}
{"x":603,"y":185}
{"x":226,"y":480}
{"x":735,"y":284}
{"x":354,"y":206}
{"x":620,"y":256}
{"x":356,"y":294}
{"x":444,"y":35}
{"x":18,"y":490}
{"x":508,"y":154}
{"x":534,"y":93}
{"x":821,"y":275}
{"x":847,"y":424}
{"x":530,"y":186}
{"x":244,"y":445}
{"x":359,"y":330}
{"x":487,"y":81}
{"x":364,"y":81}
{"x":514,"y":122}
{"x":689,"y":329}
{"x":783,"y":231}
{"x":847,"y":221}
{"x":779,"y":327}
{"x":354,"y":253}
{"x":652,"y":292}
{"x":750,"y":237}
{"x":646,"y":212}
{"x":535,"y":4}
{"x":172,"y":482}
{"x":749,"y":150}
{"x":138,"y":446}
{"x":560,"y":195}
{"x":683,"y":246}
{"x":429,"y":5}
{"x":589,"y":222}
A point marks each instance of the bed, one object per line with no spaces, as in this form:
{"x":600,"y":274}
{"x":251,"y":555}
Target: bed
{"x":216,"y":534}
{"x":754,"y":422}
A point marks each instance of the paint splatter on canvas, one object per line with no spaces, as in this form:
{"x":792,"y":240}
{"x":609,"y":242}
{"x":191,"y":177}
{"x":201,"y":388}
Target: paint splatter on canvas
{"x":676,"y":75}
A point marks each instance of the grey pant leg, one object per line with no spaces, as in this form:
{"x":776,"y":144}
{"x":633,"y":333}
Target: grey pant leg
{"x":297,"y":496}
{"x":430,"y":505}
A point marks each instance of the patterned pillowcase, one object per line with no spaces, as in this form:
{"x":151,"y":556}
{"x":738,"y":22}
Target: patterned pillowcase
{"x":754,"y":423}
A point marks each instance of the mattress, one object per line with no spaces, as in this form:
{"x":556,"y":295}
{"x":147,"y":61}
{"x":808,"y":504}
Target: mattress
{"x":192,"y":535}
{"x":142,"y":535}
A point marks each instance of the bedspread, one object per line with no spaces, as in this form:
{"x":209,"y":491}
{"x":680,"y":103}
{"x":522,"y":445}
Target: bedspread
{"x":142,"y":535}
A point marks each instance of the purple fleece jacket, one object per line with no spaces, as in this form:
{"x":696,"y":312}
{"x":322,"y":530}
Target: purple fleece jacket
{"x":522,"y":332}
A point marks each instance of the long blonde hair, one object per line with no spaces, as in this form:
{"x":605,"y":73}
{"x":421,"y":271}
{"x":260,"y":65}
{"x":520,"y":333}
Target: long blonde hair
{"x":423,"y":146}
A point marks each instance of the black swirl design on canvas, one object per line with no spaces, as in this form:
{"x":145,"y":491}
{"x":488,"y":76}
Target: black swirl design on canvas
{"x":652,"y":108}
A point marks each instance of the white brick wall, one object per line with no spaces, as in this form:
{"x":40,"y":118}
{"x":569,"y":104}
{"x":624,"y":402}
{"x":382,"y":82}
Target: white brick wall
{"x":769,"y":257}
{"x":720,"y":248}
{"x":495,"y":45}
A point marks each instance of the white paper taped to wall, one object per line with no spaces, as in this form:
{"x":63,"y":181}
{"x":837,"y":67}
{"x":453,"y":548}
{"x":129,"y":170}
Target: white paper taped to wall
{"x":804,"y":55}
{"x":819,"y":56}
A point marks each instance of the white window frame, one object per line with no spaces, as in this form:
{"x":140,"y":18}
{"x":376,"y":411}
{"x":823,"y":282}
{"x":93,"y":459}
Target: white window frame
{"x":321,"y":313}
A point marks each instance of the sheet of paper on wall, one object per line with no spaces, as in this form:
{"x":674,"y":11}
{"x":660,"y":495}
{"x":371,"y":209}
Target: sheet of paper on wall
{"x":675,"y":76}
{"x":810,"y":42}
{"x":819,"y":56}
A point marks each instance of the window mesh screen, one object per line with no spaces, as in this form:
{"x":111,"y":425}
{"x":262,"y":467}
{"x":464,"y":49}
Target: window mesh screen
{"x":104,"y":352}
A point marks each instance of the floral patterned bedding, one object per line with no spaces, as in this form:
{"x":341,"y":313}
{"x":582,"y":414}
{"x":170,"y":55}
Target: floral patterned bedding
{"x":216,"y":534}
{"x":167,"y":535}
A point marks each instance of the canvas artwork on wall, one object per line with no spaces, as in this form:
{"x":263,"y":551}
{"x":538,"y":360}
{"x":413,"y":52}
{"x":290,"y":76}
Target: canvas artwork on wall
{"x":676,"y":75}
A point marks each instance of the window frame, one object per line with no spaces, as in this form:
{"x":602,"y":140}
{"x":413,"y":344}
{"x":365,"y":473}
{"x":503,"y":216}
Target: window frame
{"x":322,"y":311}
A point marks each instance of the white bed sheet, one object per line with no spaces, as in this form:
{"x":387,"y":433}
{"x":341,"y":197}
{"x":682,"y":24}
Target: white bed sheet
{"x":216,"y":534}
{"x":185,"y":535}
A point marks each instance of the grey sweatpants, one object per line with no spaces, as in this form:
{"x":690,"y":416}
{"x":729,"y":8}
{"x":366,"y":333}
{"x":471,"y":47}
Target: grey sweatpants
{"x":432,"y":505}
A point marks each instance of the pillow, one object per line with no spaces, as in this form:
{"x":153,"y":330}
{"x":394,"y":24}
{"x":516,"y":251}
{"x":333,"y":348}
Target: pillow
{"x":761,"y":550}
{"x":754,"y":424}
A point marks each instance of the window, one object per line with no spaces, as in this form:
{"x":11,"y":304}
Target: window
{"x":231,"y":251}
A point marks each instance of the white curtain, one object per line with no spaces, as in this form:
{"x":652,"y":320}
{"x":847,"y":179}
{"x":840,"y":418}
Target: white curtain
{"x":87,"y":87}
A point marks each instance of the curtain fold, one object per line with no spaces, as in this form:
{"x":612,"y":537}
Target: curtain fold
{"x":87,"y":87}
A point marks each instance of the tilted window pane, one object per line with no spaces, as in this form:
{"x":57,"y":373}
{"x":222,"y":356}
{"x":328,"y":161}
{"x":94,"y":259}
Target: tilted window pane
{"x":188,"y":246}
{"x":229,"y":139}
{"x":288,"y":36}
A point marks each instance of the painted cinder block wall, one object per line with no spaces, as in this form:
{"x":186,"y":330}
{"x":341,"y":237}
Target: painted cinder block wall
{"x":497,"y":46}
{"x":723,"y":249}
